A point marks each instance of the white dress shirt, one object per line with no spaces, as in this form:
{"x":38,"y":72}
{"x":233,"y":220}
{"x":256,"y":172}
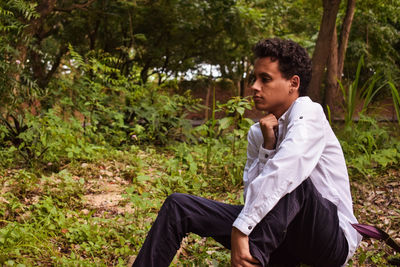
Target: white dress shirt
{"x":306,"y":147}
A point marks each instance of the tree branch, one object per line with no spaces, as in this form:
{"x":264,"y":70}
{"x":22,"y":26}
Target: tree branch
{"x":54,"y":68}
{"x":83,"y":6}
{"x":344,"y":35}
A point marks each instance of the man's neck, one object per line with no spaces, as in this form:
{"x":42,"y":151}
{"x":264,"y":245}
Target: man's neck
{"x":280,"y":112}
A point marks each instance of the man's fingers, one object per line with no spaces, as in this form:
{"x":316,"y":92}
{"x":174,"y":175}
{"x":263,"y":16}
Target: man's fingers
{"x":248,"y":261}
{"x":255,"y":263}
{"x":252,"y":260}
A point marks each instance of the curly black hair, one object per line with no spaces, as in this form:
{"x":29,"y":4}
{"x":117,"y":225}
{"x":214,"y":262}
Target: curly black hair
{"x":293,"y":59}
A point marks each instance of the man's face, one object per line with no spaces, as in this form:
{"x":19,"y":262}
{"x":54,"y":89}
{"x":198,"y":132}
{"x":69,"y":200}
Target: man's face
{"x":271,"y":91}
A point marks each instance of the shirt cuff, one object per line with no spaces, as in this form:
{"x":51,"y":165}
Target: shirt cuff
{"x":245,"y":225}
{"x":264,"y":154}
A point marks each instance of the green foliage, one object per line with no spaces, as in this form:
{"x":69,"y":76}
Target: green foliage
{"x":96,"y":91}
{"x":156,"y":116}
{"x":369,"y":147}
{"x":90,"y":108}
{"x":356,"y":93}
{"x":46,"y":229}
{"x":48,"y":139}
{"x":120,"y":109}
{"x":396,"y":99}
{"x":15,"y":80}
{"x":173,"y":41}
{"x":375,"y":33}
{"x":224,"y":137}
{"x":373,"y":258}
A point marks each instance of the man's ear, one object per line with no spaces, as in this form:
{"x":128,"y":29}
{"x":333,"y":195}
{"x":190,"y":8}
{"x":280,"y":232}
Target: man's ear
{"x":294,"y":84}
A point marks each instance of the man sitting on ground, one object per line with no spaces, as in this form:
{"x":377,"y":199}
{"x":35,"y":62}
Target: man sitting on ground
{"x":298,"y":206}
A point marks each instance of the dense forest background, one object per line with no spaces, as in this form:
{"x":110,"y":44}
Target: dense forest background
{"x":106,"y":107}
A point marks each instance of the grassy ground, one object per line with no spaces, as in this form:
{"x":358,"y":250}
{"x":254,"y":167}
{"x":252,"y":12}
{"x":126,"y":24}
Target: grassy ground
{"x":98,"y":213}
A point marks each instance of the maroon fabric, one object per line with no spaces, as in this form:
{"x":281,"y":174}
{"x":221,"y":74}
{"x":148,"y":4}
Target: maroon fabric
{"x":370,"y":231}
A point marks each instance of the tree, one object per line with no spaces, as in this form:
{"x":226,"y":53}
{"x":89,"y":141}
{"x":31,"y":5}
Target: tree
{"x":376,"y":35}
{"x":323,"y":47}
{"x":163,"y":42}
{"x":45,"y":43}
{"x":336,"y":59}
{"x":218,"y":33}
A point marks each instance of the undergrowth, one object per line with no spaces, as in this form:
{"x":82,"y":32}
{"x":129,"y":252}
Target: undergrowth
{"x":46,"y":220}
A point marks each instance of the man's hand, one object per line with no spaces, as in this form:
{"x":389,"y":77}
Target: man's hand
{"x":240,"y":251}
{"x":268,"y":125}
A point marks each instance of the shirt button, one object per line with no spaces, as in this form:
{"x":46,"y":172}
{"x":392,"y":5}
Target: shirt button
{"x":250,"y":227}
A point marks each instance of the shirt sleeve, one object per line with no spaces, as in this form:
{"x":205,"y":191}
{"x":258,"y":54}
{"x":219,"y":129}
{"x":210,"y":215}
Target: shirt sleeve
{"x":257,"y":156}
{"x":291,"y":163}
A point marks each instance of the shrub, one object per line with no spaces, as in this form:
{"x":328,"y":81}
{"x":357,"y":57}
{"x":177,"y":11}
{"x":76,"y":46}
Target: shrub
{"x":369,"y":146}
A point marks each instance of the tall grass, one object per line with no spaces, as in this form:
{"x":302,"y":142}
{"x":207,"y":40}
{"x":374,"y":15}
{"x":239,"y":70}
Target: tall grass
{"x":396,"y":99}
{"x":354,"y":93}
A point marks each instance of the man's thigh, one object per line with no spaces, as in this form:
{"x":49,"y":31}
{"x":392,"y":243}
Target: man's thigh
{"x":315,"y":239}
{"x":302,"y":227}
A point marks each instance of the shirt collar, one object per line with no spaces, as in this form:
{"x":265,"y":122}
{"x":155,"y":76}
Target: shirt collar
{"x":287,"y":112}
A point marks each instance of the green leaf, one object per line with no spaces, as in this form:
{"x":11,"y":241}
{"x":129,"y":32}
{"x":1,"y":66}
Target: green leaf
{"x":224,"y":123}
{"x":240,"y":110}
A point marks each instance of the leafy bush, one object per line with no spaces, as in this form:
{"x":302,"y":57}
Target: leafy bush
{"x":225,"y":137}
{"x":369,"y":147}
{"x":117,"y":107}
{"x":91,"y":107}
{"x":48,"y":139}
{"x":156,"y":116}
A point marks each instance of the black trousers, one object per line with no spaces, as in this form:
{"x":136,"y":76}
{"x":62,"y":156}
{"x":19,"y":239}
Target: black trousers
{"x":303,"y":227}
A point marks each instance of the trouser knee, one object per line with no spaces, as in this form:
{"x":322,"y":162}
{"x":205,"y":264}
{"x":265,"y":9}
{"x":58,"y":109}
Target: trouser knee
{"x":176,"y":198}
{"x":174,"y":203}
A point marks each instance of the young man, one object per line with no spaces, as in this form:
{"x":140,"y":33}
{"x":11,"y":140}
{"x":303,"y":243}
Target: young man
{"x":298,"y":206}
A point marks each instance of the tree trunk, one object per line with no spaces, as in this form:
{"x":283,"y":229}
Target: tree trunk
{"x":331,"y":90}
{"x":322,"y":47}
{"x":38,"y":68}
{"x":344,"y":35}
{"x":144,"y":75}
{"x":242,"y":87}
{"x":22,"y":49}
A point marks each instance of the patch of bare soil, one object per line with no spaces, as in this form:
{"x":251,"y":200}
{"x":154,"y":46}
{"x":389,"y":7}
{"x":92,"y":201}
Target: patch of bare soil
{"x":104,"y":194}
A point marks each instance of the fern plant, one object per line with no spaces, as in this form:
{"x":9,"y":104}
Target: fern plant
{"x":16,"y":84}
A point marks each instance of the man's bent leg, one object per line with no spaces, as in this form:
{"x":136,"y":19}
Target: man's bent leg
{"x":302,"y":227}
{"x":179,"y":215}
